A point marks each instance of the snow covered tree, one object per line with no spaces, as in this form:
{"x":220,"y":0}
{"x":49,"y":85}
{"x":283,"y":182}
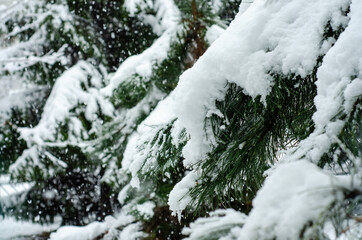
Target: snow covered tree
{"x":62,"y":51}
{"x":140,"y":83}
{"x":253,"y":132}
{"x":283,"y":110}
{"x":272,"y":97}
{"x":68,"y":49}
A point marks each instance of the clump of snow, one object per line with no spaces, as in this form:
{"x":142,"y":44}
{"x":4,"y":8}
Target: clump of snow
{"x":293,"y":195}
{"x":179,"y":197}
{"x":108,"y":229}
{"x":132,"y":232}
{"x":123,"y":194}
{"x":11,"y":228}
{"x":216,"y":225}
{"x":166,"y":13}
{"x":352,"y":92}
{"x":146,"y":209}
{"x":339,"y":65}
{"x":89,"y":232}
{"x":121,"y":226}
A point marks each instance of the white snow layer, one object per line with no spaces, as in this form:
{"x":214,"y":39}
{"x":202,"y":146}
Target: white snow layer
{"x":284,"y":37}
{"x":213,"y":33}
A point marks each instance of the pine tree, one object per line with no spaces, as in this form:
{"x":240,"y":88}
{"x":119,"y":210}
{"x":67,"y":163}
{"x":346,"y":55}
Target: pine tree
{"x":76,"y":143}
{"x":136,"y":97}
{"x":275,"y":103}
{"x":255,"y":136}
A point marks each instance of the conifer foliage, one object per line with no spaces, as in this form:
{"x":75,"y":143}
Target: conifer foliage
{"x":172,"y":119}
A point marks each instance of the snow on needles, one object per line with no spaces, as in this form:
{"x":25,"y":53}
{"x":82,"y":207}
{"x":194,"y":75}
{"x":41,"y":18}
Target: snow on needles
{"x":270,"y":37}
{"x":133,"y":158}
{"x":339,"y":83}
{"x":282,"y":37}
{"x":167,"y":24}
{"x":165,"y":18}
{"x":293,"y":195}
{"x":142,"y":64}
{"x":66,"y":94}
{"x":30,"y":52}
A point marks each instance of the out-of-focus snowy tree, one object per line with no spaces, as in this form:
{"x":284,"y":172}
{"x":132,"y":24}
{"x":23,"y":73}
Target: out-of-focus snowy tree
{"x":59,"y":53}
